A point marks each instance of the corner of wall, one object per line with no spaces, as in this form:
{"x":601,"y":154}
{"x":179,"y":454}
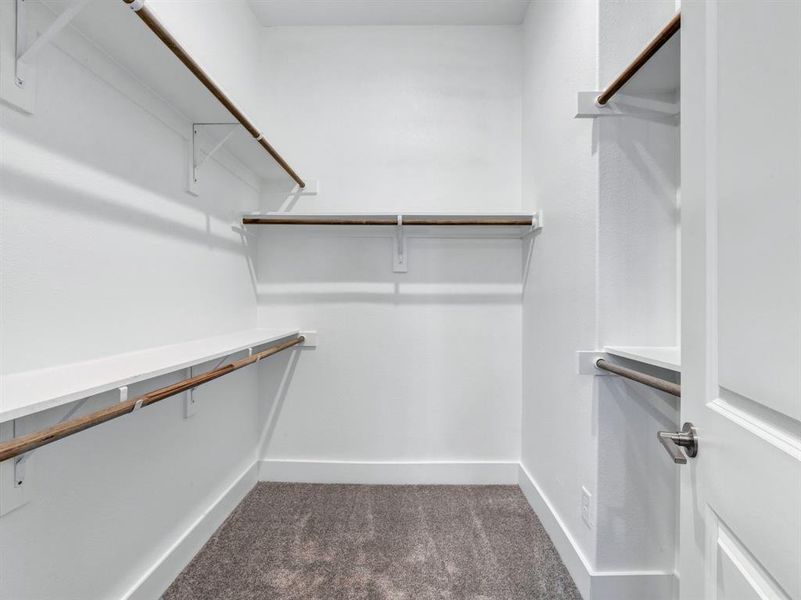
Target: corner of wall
{"x":592,"y":584}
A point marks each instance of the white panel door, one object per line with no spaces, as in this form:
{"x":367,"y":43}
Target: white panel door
{"x":741,"y":299}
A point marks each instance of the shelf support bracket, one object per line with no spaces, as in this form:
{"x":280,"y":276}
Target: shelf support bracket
{"x":19,"y":464}
{"x":190,"y":406}
{"x":198,"y":156}
{"x":400,"y":263}
{"x":536,"y":224}
{"x":25,"y":51}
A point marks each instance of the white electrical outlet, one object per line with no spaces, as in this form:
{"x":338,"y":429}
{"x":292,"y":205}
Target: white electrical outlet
{"x":586,"y":503}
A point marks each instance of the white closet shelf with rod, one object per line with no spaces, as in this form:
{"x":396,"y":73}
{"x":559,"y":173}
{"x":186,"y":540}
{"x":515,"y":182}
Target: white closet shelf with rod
{"x":647,"y":86}
{"x":131,"y":35}
{"x":525,"y":220}
{"x":657,"y":383}
{"x":515,"y":224}
{"x":29,"y":392}
{"x":603,"y":362}
{"x":19,"y":446}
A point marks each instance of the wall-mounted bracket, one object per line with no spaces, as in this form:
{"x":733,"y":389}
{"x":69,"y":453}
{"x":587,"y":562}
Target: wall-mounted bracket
{"x":198,"y":156}
{"x":190,"y":403}
{"x":14,"y":474}
{"x":586,"y":359}
{"x":536,"y":224}
{"x":311,"y":339}
{"x":15,"y":486}
{"x":400,"y":262}
{"x":19,"y":46}
{"x":19,"y":470}
{"x":622,"y":105}
{"x":25,"y":49}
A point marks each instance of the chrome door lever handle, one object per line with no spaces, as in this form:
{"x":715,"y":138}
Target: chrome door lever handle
{"x":673,"y":441}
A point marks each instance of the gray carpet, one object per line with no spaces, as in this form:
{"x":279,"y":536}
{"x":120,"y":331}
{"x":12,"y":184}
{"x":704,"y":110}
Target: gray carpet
{"x":347,"y":542}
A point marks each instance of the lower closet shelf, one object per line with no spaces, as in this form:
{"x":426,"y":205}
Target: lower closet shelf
{"x":29,"y":392}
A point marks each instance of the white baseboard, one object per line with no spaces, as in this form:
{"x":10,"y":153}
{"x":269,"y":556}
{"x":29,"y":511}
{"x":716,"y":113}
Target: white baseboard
{"x":395,"y":473}
{"x":594,"y":585}
{"x":568,"y":549}
{"x":631,"y":585}
{"x":158,"y":578}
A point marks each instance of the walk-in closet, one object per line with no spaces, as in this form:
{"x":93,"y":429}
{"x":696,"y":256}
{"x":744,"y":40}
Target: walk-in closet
{"x":400,"y":300}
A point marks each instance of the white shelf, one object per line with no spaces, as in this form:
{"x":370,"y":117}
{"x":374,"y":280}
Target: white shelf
{"x":30,"y":392}
{"x":389,"y":213}
{"x":665,"y":357}
{"x":391,"y":218}
{"x":115,"y":29}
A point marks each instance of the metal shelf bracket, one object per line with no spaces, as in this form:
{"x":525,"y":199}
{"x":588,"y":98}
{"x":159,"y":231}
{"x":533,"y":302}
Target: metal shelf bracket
{"x":19,"y":493}
{"x":190,"y":402}
{"x":400,"y":262}
{"x":198,"y":155}
{"x":536,"y":222}
{"x":27,"y":50}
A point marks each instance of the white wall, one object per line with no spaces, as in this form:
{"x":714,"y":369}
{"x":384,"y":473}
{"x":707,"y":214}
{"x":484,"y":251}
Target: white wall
{"x":422,"y":366}
{"x":104,"y":252}
{"x":397,"y":118}
{"x":603,"y":271}
{"x":560,"y":176}
{"x":224,"y":38}
{"x":636,"y":489}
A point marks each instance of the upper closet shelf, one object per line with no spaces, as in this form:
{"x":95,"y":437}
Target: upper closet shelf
{"x":131,"y":35}
{"x":33,"y":391}
{"x":527,"y":220}
{"x":648,"y":86}
{"x":665,"y":357}
{"x":514,"y":225}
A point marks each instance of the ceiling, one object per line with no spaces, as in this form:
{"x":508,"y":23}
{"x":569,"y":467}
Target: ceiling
{"x":389,"y":12}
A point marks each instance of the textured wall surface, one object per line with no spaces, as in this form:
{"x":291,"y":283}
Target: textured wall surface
{"x":398,"y":118}
{"x":603,"y":272}
{"x":424,"y":365}
{"x":638,"y":272}
{"x":560,"y":176}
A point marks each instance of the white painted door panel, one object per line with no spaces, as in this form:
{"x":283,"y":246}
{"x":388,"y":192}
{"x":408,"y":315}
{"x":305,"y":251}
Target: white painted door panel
{"x":758,"y":140}
{"x":734,"y":572}
{"x":741,"y":293}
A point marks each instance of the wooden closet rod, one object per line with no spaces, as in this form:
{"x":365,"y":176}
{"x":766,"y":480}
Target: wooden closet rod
{"x":29,"y":442}
{"x":525,"y":221}
{"x":660,"y":40}
{"x":649,"y":380}
{"x":156,"y":27}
